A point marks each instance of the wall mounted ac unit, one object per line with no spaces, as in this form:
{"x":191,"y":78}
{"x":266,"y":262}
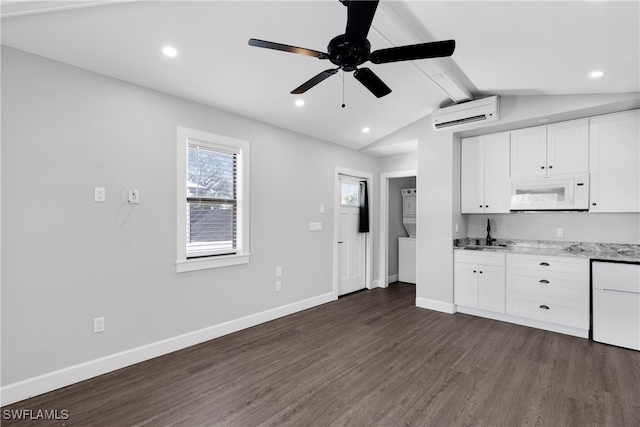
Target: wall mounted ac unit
{"x":480,"y":110}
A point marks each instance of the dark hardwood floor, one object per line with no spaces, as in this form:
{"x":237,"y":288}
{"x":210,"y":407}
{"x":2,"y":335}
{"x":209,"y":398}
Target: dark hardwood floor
{"x":369,"y":359}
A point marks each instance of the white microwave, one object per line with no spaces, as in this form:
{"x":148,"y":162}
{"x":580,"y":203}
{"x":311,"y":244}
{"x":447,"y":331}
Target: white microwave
{"x":565,"y":192}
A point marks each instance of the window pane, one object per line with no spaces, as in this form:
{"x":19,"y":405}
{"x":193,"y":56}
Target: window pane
{"x":349,"y":194}
{"x":210,"y":173}
{"x":211,"y":228}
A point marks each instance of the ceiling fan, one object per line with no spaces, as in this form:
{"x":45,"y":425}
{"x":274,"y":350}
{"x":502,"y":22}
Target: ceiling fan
{"x":350,"y":50}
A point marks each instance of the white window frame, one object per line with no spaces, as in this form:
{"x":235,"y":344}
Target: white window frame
{"x":183,"y":264}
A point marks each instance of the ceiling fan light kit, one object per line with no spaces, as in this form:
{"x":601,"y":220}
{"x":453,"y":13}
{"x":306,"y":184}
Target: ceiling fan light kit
{"x":350,"y":50}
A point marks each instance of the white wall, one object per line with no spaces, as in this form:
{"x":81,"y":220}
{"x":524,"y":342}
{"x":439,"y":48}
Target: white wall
{"x":395,"y":227}
{"x":577,"y":227}
{"x":66,"y":259}
{"x":399,"y":162}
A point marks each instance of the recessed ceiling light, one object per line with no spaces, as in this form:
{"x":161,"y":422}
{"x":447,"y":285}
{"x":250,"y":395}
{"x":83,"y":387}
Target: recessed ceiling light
{"x":299,"y":102}
{"x":170,"y":51}
{"x":596,"y":74}
{"x":365,"y":130}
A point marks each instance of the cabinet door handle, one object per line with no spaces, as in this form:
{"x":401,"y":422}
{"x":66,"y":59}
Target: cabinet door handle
{"x":593,"y":204}
{"x":544,"y":264}
{"x":474,"y":271}
{"x":481,"y":272}
{"x":544,"y":281}
{"x":550,"y":167}
{"x":480,"y":206}
{"x":340,"y":242}
{"x":541,"y":167}
{"x":544,"y":307}
{"x":486,"y":206}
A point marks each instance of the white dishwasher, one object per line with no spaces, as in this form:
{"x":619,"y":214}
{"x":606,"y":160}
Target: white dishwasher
{"x":616,"y":303}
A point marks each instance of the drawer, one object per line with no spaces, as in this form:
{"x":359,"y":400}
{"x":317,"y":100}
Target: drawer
{"x":549,"y":263}
{"x":548,"y":283}
{"x":558,"y":310}
{"x":477,"y":257}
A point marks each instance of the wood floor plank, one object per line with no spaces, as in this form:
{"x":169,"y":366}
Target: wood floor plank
{"x":368,"y":359}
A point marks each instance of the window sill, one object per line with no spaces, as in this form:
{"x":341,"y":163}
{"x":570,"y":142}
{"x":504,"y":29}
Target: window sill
{"x":184,"y":266}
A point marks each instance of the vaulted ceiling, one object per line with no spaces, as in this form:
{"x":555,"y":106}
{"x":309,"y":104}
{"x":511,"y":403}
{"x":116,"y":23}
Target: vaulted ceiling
{"x":502,"y":48}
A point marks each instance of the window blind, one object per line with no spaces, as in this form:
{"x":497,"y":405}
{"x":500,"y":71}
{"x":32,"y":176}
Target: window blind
{"x":211,"y":202}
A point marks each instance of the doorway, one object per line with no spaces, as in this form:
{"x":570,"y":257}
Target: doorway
{"x":390,"y":222}
{"x":352,"y":249}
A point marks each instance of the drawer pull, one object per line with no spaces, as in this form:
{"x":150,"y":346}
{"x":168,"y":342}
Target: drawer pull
{"x":544,"y":307}
{"x":544,"y":281}
{"x":544,"y":264}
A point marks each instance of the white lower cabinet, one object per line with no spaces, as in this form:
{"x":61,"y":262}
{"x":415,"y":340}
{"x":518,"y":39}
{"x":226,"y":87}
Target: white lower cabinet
{"x":546,"y":292}
{"x":480,"y":280}
{"x":549,"y":289}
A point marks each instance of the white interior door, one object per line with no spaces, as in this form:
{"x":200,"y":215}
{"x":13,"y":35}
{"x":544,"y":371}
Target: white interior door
{"x":351,"y":243}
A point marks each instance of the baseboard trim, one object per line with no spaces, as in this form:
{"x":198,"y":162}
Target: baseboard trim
{"x":430,"y":304}
{"x":25,"y":389}
{"x":393,"y":278}
{"x":561,"y":329}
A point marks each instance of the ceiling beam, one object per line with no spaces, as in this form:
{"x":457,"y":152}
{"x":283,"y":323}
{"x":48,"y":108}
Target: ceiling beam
{"x":396,"y":24}
{"x":11,"y":8}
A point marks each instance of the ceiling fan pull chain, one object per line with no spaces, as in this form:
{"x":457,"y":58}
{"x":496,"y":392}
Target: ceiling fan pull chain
{"x":343,"y":105}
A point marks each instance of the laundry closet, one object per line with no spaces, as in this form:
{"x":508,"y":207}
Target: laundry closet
{"x":402,"y":229}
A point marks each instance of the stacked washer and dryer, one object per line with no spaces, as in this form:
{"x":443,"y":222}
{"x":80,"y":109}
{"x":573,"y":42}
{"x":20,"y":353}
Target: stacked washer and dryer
{"x":407,"y":245}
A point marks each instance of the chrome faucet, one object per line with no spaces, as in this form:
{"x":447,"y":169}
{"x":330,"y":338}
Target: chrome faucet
{"x":490,"y":240}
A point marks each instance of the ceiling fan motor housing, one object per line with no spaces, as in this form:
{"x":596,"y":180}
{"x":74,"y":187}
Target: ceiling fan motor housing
{"x":348,"y":55}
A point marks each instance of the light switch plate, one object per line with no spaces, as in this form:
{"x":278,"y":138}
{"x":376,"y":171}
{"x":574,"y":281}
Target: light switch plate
{"x":315,"y":226}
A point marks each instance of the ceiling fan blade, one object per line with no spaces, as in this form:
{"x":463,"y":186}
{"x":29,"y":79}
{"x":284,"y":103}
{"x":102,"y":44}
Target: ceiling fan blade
{"x":288,"y":48}
{"x":371,"y":82}
{"x":359,"y":18}
{"x":414,"y":51}
{"x":314,"y":81}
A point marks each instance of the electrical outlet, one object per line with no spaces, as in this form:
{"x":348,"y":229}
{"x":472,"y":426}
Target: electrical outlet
{"x":278,"y":271}
{"x":559,"y":232}
{"x":278,"y":285}
{"x":98,"y":324}
{"x":99,"y":195}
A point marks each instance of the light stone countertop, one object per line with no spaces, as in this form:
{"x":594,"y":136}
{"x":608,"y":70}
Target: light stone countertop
{"x":594,"y":251}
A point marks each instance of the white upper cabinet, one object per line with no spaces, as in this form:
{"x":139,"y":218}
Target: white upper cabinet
{"x":529,"y":152}
{"x":615,"y":163}
{"x":549,"y":150}
{"x":568,"y":147}
{"x":485,"y":174}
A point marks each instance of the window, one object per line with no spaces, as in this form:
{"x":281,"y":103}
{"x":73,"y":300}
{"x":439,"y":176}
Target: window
{"x":213,"y":194}
{"x":349,"y":191}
